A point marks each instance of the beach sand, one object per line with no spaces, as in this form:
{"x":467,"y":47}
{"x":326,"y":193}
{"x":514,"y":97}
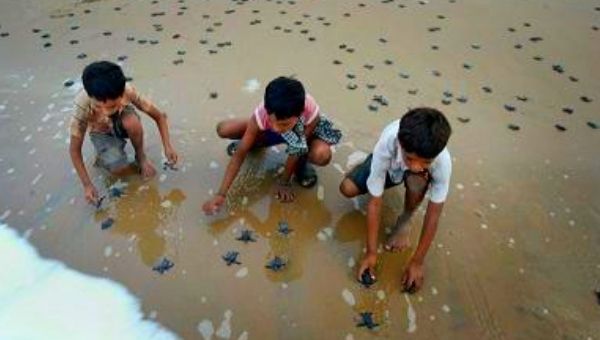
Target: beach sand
{"x":516,"y":255}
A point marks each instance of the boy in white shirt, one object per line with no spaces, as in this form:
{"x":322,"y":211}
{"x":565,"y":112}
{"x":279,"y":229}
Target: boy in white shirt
{"x":412,"y":151}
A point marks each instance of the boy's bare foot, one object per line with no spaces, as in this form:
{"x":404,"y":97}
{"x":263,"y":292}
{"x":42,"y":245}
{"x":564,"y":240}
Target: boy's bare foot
{"x":399,"y":239}
{"x":147,"y":169}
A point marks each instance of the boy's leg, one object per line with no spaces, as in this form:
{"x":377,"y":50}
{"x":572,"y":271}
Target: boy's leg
{"x":236,"y":127}
{"x":110,"y":152}
{"x":132,"y":125}
{"x":416,"y":187}
{"x":355,"y":182}
{"x":319,"y":153}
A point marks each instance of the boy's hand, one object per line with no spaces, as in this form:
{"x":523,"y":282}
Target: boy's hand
{"x":284,"y":193}
{"x":213,"y":206}
{"x":91,"y":194}
{"x":413,"y":277}
{"x":147,"y":169}
{"x":368,"y":262}
{"x":172,"y":156}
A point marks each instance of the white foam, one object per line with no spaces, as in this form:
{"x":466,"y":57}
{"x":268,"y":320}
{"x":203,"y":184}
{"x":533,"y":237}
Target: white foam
{"x":213,"y":165}
{"x":411,"y":316}
{"x":243,"y":272}
{"x":206,"y":329}
{"x":251,"y":86}
{"x":224,"y":330}
{"x":351,"y":262}
{"x":348,"y":297}
{"x":320,"y":192}
{"x":44,"y":299}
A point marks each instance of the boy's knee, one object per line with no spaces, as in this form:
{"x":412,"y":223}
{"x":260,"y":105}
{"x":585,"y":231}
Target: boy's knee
{"x":321,"y":156}
{"x":348,"y":188}
{"x":221,"y":131}
{"x":131,"y":123}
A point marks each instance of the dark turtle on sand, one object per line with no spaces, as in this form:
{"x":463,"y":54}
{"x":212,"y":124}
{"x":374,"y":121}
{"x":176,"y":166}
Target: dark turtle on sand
{"x":213,"y":95}
{"x":538,"y":58}
{"x":597,"y":293}
{"x":366,"y":320}
{"x":115,"y":192}
{"x":413,"y":92}
{"x":46,"y":45}
{"x":446,"y":101}
{"x":231,"y":257}
{"x":404,"y":75}
{"x":514,"y":127}
{"x":163,"y":265}
{"x":169,"y":166}
{"x":568,"y":110}
{"x":573,"y":79}
{"x":81,"y":56}
{"x":486,"y":89}
{"x":447,"y":94}
{"x":368,"y":66}
{"x":558,"y":68}
{"x":45,"y":36}
{"x":246,"y":236}
{"x":350,"y":76}
{"x":68,"y":83}
{"x":371,"y":86}
{"x":367,"y":279}
{"x":560,"y":127}
{"x":592,"y":125}
{"x":586,"y":99}
{"x":276,"y":264}
{"x":372,"y":108}
{"x":462,"y":99}
{"x":436,"y":73}
{"x":351,"y":86}
{"x":284,"y":228}
{"x":522,"y":98}
{"x":99,"y":201}
{"x":74,"y":42}
{"x":536,"y":39}
{"x":107,"y":33}
{"x":381,"y":100}
{"x":337,"y":62}
{"x":463,"y":120}
{"x":107,"y":223}
{"x":509,"y":108}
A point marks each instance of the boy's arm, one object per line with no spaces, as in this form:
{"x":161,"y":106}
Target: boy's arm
{"x":159,"y":117}
{"x":414,"y":273}
{"x":373,"y":220}
{"x":76,"y":143}
{"x":233,"y":167}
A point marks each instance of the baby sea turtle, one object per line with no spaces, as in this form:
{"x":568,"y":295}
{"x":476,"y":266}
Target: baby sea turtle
{"x":568,"y":110}
{"x":373,"y":108}
{"x":99,"y":201}
{"x":586,"y":99}
{"x":514,"y":127}
{"x":213,"y":95}
{"x":381,"y":100}
{"x":284,"y":228}
{"x":522,"y":98}
{"x":68,"y":83}
{"x":367,"y":279}
{"x":169,"y":166}
{"x":351,"y":86}
{"x":592,"y":125}
{"x":462,"y":99}
{"x":597,"y":292}
{"x":163,"y":266}
{"x":560,"y":127}
{"x":486,"y":89}
{"x":509,"y":108}
{"x":366,"y":320}
{"x":463,"y":119}
{"x":276,"y":264}
{"x":115,"y":192}
{"x":246,"y":236}
{"x":107,"y":223}
{"x":558,"y":68}
{"x":231,"y":257}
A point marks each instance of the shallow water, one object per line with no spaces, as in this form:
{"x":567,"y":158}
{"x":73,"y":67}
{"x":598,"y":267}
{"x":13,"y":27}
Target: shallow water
{"x":516,"y":255}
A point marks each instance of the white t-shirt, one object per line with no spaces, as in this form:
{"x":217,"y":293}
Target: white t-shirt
{"x":387,"y":159}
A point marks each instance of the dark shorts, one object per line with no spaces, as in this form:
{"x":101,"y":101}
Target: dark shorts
{"x":110,"y":147}
{"x":412,"y":181}
{"x":361,"y":172}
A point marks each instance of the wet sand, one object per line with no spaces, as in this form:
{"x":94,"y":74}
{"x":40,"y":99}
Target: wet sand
{"x":516,"y":255}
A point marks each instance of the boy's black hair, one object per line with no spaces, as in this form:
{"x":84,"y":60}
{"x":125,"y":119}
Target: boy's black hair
{"x":284,"y":97}
{"x":424,"y":131}
{"x":103,"y":80}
